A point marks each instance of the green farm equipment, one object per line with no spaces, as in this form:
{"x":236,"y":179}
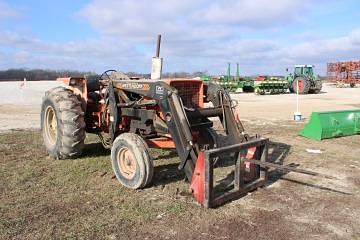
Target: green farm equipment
{"x":271,"y":85}
{"x":237,"y":83}
{"x":206,"y":81}
{"x":205,"y":78}
{"x":303,"y":80}
{"x":332,"y":124}
{"x":246,"y":84}
{"x":227,"y":82}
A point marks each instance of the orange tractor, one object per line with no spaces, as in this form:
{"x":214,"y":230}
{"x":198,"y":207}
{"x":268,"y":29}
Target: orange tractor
{"x":129,"y":116}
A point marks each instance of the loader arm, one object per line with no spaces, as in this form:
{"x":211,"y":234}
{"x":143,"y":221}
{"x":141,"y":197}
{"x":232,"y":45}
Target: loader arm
{"x":172,"y":109}
{"x":180,"y":121}
{"x":199,"y":164}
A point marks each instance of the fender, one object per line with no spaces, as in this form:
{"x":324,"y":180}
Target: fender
{"x":78,"y":86}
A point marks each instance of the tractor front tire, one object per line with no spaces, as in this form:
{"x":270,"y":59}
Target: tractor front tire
{"x":131,"y":161}
{"x":304,"y":85}
{"x":62,"y":123}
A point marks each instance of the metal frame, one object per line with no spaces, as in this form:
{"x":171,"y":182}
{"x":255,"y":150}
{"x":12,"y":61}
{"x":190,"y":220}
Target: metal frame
{"x":344,"y":72}
{"x":241,"y":187}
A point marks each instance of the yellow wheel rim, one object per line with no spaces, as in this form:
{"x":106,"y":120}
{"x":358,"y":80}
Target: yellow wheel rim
{"x":50,"y":125}
{"x":127,"y":163}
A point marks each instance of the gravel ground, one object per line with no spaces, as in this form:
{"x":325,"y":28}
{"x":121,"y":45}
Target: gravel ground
{"x":20,"y":106}
{"x":282,"y":107}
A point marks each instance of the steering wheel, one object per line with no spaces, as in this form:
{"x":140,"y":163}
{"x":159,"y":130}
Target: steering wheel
{"x":114,"y":75}
{"x":106,"y":73}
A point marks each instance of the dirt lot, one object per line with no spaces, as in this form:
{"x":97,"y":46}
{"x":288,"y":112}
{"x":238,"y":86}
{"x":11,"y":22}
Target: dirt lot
{"x":44,"y":198}
{"x":20,"y":105}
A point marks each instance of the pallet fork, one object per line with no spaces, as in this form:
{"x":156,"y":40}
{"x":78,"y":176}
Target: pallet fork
{"x":203,"y":180}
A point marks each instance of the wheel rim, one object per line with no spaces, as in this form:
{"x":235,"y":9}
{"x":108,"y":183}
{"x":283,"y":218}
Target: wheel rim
{"x":50,"y":125}
{"x":127,"y":163}
{"x":301,"y":85}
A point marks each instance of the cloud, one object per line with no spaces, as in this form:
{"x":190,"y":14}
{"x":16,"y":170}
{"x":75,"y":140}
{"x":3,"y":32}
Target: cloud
{"x":187,"y":19}
{"x":256,"y":56}
{"x":195,"y":32}
{"x":8,"y":12}
{"x":260,"y":56}
{"x":197,"y":35}
{"x":338,"y":48}
{"x":254,"y":13}
{"x":86,"y":54}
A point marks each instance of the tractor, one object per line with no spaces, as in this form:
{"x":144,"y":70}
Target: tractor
{"x":130,"y":116}
{"x":303,"y":80}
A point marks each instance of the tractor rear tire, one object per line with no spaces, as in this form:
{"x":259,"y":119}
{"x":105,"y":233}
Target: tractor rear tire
{"x":304,"y":85}
{"x":131,"y":161}
{"x":291,"y":89}
{"x":315,"y":91}
{"x":62,"y":123}
{"x":208,"y":136}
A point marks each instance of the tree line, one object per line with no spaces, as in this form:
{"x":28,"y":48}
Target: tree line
{"x":41,"y":74}
{"x":37,"y":74}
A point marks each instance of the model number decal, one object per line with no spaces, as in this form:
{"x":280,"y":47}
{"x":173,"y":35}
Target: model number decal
{"x":159,"y":90}
{"x":137,"y":86}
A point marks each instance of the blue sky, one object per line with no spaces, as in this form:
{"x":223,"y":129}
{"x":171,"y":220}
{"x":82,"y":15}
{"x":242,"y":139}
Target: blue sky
{"x":265,"y":37}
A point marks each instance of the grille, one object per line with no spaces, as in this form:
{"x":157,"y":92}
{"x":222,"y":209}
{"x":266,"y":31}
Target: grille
{"x":189,"y":93}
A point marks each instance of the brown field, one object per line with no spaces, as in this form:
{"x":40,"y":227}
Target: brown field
{"x":80,"y":199}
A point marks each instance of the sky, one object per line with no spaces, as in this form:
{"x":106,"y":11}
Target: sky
{"x":264,"y":37}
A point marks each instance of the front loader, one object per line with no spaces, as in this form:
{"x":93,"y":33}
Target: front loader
{"x":129,"y":116}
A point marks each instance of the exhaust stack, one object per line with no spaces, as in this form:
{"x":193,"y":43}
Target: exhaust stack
{"x":156,"y":62}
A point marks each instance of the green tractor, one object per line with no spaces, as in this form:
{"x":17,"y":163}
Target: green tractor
{"x":306,"y":80}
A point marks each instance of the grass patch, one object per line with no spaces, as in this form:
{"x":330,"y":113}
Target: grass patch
{"x":43,"y":198}
{"x":78,"y":198}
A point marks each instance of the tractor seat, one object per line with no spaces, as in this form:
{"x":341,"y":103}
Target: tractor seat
{"x":92,"y":83}
{"x":93,"y":97}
